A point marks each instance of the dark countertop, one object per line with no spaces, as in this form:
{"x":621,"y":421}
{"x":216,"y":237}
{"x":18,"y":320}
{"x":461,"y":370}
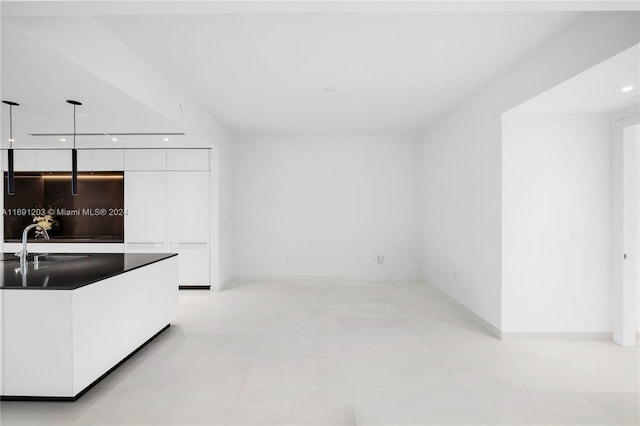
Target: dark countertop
{"x":73,"y":271}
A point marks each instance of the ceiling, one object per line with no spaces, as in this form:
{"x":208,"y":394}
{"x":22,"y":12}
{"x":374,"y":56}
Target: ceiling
{"x":42,"y":80}
{"x":333,"y":72}
{"x":597,"y":90}
{"x":271,"y":70}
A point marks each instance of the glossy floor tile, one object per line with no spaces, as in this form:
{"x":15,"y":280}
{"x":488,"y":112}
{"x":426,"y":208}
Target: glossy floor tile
{"x":348,"y":353}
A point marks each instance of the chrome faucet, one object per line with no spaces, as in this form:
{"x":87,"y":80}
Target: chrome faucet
{"x":23,"y":253}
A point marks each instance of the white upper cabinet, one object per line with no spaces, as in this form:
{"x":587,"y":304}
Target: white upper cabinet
{"x":84,"y":160}
{"x":59,"y":160}
{"x":145,"y":159}
{"x":53,"y":160}
{"x":188,"y":159}
{"x":24,"y":160}
{"x":107,"y":160}
{"x":100,"y":160}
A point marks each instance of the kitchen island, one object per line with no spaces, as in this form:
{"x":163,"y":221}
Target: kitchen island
{"x":72,"y":318}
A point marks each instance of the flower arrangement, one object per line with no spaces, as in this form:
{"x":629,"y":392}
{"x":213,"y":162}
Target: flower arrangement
{"x":46,"y":223}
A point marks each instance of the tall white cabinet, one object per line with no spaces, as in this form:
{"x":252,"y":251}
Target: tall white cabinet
{"x":167,"y":201}
{"x":145,"y":201}
{"x":188,"y":223}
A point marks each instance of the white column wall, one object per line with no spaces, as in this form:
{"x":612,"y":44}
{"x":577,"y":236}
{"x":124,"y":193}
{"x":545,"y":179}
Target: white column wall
{"x":462,"y":162}
{"x":555,"y":215}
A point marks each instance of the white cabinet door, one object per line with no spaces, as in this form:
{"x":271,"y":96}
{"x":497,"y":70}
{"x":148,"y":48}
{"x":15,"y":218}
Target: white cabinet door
{"x":59,"y":160}
{"x":24,"y":160}
{"x":145,"y":200}
{"x":188,"y":207}
{"x":100,"y":160}
{"x":188,"y":159}
{"x":188,"y":224}
{"x":53,"y":160}
{"x":169,"y":212}
{"x":84,"y":160}
{"x":145,"y":159}
{"x":107,"y":160}
{"x":193,"y":261}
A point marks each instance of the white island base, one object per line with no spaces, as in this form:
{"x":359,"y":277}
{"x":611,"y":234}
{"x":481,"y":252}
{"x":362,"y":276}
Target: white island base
{"x":56,"y":344}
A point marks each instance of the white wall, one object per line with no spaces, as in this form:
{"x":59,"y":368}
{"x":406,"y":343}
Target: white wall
{"x":462,"y":161}
{"x":631,"y":225}
{"x":461,"y":211}
{"x":634,"y":135}
{"x":220,"y":211}
{"x":326,"y":205}
{"x":224,"y":212}
{"x":555,"y":215}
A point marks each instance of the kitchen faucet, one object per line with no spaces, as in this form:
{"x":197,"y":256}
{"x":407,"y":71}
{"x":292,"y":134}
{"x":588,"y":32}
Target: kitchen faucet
{"x":23,"y":253}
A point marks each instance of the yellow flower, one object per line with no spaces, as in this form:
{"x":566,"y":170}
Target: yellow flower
{"x":43,"y":222}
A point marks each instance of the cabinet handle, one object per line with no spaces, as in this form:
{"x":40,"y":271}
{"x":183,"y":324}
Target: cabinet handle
{"x":154,"y":244}
{"x":188,"y":244}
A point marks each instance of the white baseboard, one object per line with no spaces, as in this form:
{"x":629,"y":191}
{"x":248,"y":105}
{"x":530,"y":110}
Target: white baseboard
{"x":578,"y":335}
{"x":484,"y":324}
{"x":319,"y":278}
{"x":224,"y":285}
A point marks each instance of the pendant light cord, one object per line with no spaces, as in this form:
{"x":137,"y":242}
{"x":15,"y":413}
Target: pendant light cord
{"x":11,"y":126}
{"x":74,"y":126}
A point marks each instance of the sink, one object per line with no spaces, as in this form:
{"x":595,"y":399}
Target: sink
{"x":61,"y":257}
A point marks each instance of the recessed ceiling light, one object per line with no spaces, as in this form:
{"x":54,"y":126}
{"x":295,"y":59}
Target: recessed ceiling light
{"x":626,"y":89}
{"x":165,"y":139}
{"x":63,"y":140}
{"x":329,"y":89}
{"x":114,"y":139}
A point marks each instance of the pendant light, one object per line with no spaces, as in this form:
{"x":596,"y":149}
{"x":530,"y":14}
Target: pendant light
{"x":10,"y":171}
{"x":74,"y":152}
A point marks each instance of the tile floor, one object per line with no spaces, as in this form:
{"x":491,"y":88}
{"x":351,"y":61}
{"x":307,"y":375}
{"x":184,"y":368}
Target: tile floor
{"x":313,"y":353}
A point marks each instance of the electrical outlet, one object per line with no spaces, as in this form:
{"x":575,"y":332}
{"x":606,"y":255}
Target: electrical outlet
{"x":380,"y":259}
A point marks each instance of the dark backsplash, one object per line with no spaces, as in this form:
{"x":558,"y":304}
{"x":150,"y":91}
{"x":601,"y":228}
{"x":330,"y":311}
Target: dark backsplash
{"x":97,"y":212}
